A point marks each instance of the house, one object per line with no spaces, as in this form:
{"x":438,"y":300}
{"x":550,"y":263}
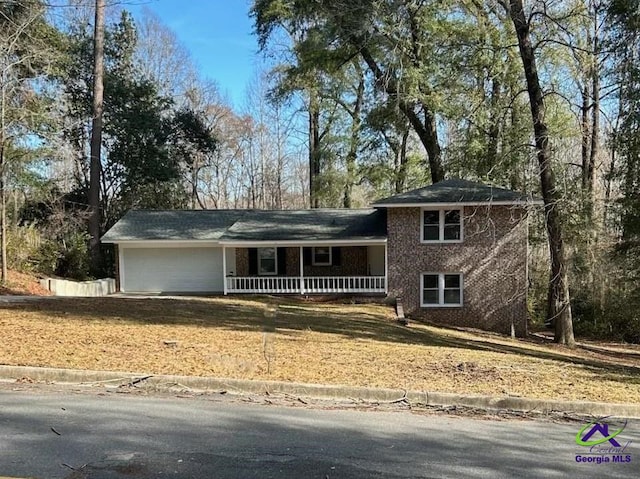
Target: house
{"x":454,"y":252}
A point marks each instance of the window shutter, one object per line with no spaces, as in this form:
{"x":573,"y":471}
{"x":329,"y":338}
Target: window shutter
{"x":336,"y":256}
{"x":306,"y":256}
{"x":253,"y":261}
{"x":282,"y":262}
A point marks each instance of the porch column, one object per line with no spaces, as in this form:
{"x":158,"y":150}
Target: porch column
{"x":301,"y":271}
{"x":386,"y":269}
{"x":224,"y":270}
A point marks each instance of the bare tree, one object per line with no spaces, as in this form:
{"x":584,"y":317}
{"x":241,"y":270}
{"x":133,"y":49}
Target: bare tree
{"x":162,"y":58}
{"x":272,"y":128}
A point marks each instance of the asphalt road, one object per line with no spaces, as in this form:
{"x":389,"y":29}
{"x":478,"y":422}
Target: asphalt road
{"x":103,"y":436}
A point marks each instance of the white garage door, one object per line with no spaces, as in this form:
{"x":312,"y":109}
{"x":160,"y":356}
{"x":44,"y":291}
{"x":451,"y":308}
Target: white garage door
{"x":171,"y":270}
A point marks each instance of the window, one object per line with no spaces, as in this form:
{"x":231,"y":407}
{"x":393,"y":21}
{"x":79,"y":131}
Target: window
{"x":267,"y":261}
{"x":321,"y":256}
{"x":441,"y":289}
{"x":452,"y":228}
{"x":441,"y":226}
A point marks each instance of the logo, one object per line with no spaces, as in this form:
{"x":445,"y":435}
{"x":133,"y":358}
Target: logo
{"x":604,"y":442}
{"x":603,"y":429}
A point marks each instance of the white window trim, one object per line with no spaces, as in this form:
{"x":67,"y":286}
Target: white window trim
{"x":441,"y":303}
{"x":441,"y":239}
{"x":261,"y":272}
{"x":313,"y":256}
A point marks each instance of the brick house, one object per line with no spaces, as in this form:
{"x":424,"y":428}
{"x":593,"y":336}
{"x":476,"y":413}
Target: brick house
{"x":454,"y":252}
{"x":457,"y":254}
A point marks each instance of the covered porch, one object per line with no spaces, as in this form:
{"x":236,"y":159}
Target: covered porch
{"x":308,"y":267}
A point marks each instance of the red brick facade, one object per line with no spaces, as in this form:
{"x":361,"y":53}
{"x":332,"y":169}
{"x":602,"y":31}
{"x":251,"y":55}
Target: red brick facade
{"x":492,"y":259}
{"x":353,"y":262}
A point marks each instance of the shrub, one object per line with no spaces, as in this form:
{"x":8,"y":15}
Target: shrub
{"x":23,"y":244}
{"x":29,"y":250}
{"x":624,"y":316}
{"x":73,"y":260}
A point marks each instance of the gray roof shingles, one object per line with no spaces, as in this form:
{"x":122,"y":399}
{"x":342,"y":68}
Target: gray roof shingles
{"x":310,"y":225}
{"x":455,"y":191}
{"x":178,"y":225}
{"x":249,"y":225}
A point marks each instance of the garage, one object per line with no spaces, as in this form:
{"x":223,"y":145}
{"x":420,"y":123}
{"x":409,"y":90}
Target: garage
{"x":171,"y":269}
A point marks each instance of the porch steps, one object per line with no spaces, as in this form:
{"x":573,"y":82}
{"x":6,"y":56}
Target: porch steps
{"x":400,"y":313}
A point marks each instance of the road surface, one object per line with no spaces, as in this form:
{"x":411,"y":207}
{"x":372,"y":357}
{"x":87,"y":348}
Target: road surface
{"x":45,"y":434}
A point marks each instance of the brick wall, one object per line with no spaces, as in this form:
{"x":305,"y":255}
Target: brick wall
{"x":242,"y":262}
{"x":293,"y":262}
{"x":353,"y":263}
{"x":492,"y":259}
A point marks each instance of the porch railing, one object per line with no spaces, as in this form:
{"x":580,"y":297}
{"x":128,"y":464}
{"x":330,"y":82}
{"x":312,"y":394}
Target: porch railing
{"x":307,"y":284}
{"x":263,"y":284}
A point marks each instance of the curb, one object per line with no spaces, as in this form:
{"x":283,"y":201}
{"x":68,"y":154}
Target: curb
{"x":320,"y":391}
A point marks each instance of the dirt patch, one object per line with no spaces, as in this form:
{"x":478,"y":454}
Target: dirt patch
{"x":23,"y":284}
{"x":289,"y":340}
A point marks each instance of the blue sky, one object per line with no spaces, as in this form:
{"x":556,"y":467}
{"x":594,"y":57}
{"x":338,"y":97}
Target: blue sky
{"x":218,"y":33}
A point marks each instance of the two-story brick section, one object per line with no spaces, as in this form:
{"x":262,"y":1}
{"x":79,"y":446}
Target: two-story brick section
{"x":457,"y":254}
{"x":454,"y":253}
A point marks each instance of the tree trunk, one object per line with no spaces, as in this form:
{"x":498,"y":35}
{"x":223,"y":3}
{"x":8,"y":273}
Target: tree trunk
{"x":595,"y":131}
{"x":195,"y":168}
{"x":3,"y":209}
{"x":591,"y":149}
{"x":3,"y":226}
{"x":559,"y":306}
{"x":429,"y":138}
{"x":401,"y":163}
{"x":280,"y":161}
{"x":517,"y":177}
{"x":96,"y":140}
{"x":262,"y":197}
{"x":14,"y":223}
{"x":354,"y":143}
{"x":314,"y":149}
{"x":494,"y":127}
{"x":585,"y":130}
{"x":609,"y":177}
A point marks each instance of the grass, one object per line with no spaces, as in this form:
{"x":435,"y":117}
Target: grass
{"x":290,"y":340}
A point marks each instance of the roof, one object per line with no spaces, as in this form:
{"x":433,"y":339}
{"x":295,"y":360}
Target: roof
{"x":455,"y":191}
{"x":250,"y":225}
{"x":309,"y":225}
{"x":185,"y":225}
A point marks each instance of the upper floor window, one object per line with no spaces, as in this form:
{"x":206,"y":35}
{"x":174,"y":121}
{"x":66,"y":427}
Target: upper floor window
{"x":442,"y":225}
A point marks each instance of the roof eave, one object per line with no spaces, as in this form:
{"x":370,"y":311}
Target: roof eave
{"x":312,"y":242}
{"x":457,"y":204}
{"x":230,"y":242}
{"x":159,"y":241}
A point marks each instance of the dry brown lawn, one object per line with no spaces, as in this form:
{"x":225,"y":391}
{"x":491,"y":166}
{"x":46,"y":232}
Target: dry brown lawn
{"x":290,"y":340}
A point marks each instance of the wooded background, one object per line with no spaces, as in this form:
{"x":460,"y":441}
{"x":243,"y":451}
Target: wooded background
{"x":355,"y":100}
